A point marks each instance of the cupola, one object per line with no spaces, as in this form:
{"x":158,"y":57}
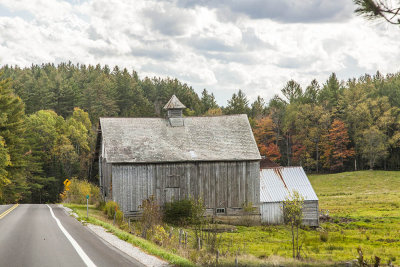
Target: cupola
{"x":174,"y":109}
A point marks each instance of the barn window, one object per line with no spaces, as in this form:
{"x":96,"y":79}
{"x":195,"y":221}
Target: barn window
{"x":220,"y":210}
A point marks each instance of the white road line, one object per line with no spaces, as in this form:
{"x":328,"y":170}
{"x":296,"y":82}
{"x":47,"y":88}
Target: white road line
{"x":75,"y":244}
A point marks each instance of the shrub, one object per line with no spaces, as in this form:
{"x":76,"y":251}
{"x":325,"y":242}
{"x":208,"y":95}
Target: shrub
{"x":78,"y":190}
{"x":119,"y":217}
{"x":159,"y":235}
{"x":178,"y":212}
{"x":184,"y":212}
{"x":110,"y":208}
{"x":324,"y":236}
{"x":151,"y":215}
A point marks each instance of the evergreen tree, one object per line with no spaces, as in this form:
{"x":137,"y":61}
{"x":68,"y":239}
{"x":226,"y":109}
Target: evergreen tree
{"x":238,"y":104}
{"x":12,"y":146}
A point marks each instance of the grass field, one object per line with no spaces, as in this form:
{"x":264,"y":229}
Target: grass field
{"x":365,"y":211}
{"x":364,"y":208}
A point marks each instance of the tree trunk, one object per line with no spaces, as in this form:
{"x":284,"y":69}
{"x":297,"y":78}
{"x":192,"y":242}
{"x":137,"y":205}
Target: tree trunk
{"x":294,"y":253}
{"x":317,"y":156}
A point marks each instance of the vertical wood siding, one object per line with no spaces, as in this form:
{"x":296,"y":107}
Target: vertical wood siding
{"x":272,"y":213}
{"x":219,"y":184}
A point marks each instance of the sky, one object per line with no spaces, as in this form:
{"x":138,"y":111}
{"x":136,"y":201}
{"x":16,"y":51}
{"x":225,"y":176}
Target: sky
{"x":223,"y":46}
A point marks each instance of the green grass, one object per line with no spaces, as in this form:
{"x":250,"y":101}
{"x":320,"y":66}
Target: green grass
{"x":96,"y":217}
{"x":365,"y":211}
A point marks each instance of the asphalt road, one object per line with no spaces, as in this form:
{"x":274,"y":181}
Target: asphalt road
{"x":31,"y":236}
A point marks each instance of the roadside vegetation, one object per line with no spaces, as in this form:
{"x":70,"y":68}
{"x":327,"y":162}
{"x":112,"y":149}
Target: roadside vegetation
{"x":361,"y":212}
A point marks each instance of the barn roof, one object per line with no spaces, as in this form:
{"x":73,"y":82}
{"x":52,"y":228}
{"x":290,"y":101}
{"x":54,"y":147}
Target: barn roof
{"x":276,"y":183}
{"x":140,"y":140}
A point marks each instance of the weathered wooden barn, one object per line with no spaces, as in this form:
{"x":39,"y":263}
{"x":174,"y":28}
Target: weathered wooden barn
{"x":173,"y":158}
{"x":275,"y":185}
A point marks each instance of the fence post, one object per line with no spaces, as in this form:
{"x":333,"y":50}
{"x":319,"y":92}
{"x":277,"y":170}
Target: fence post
{"x":198,"y":243}
{"x":180,"y":237}
{"x":216,"y":260}
{"x":185,"y":239}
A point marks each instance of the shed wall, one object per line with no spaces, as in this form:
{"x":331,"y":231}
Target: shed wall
{"x":272,"y":213}
{"x":220,"y":184}
{"x":310,"y":213}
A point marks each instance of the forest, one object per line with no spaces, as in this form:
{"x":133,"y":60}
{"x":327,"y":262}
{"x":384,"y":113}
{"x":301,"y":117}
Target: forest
{"x":49,"y":116}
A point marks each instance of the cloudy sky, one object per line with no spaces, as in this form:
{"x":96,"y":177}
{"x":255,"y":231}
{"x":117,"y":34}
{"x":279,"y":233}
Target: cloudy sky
{"x":253,"y":45}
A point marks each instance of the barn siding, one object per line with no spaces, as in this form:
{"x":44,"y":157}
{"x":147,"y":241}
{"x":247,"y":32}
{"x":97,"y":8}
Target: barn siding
{"x":105,"y":179}
{"x":310,"y":213}
{"x":220,"y":184}
{"x":272,"y":213}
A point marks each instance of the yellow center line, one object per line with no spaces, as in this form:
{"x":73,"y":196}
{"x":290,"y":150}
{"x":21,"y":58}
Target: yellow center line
{"x":8,"y":211}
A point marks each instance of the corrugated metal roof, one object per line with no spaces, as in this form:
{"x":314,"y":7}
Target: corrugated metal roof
{"x":220,"y":138}
{"x":276,"y":183}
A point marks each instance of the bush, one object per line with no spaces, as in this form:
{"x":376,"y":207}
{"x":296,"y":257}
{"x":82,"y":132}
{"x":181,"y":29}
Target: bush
{"x":110,"y":208}
{"x":184,"y":212}
{"x":178,"y":212}
{"x":151,"y":215}
{"x":78,"y":190}
{"x":119,"y":217}
{"x":324,"y":236}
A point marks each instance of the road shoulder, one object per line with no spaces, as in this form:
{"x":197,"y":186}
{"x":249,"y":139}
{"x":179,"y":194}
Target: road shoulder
{"x":121,"y":245}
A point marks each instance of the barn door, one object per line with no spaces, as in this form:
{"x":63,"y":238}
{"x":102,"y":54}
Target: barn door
{"x":171,"y":194}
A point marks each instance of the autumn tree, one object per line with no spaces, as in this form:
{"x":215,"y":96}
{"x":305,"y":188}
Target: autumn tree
{"x":336,"y":146}
{"x":266,"y":138}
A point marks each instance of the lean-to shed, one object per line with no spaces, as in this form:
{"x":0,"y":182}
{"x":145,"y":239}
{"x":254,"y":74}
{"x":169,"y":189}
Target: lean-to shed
{"x":173,"y":158}
{"x":275,"y":185}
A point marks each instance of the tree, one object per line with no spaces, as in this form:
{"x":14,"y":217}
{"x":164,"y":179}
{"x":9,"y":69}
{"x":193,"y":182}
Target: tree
{"x":293,"y":216}
{"x":336,"y":150}
{"x":311,"y":94}
{"x":207,"y":101}
{"x":378,"y":9}
{"x":330,"y":92}
{"x":238,"y":104}
{"x":374,"y":146}
{"x":258,"y":108}
{"x":292,"y":91}
{"x":266,"y":138}
{"x":13,"y":146}
{"x":4,"y":163}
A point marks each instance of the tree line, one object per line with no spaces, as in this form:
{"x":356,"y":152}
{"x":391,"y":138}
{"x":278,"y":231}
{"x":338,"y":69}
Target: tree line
{"x":49,"y":116}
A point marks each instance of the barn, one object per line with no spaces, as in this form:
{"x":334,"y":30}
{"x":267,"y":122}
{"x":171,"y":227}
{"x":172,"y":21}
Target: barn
{"x":275,"y":185}
{"x":177,"y":157}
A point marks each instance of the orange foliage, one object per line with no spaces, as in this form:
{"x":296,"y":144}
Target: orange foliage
{"x":266,"y":138}
{"x":336,"y":150}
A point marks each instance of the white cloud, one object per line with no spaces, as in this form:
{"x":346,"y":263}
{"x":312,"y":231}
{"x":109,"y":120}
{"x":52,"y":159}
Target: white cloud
{"x":255,"y":45}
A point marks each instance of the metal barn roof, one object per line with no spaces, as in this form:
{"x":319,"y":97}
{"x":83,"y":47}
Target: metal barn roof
{"x":145,"y":140}
{"x":276,"y":183}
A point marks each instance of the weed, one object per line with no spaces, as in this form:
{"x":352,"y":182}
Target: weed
{"x":323,"y":236}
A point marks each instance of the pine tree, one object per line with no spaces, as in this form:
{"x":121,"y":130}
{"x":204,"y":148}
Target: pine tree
{"x":12,"y":143}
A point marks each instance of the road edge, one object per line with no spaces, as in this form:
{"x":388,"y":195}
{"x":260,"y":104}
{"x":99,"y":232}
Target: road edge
{"x":120,"y":245}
